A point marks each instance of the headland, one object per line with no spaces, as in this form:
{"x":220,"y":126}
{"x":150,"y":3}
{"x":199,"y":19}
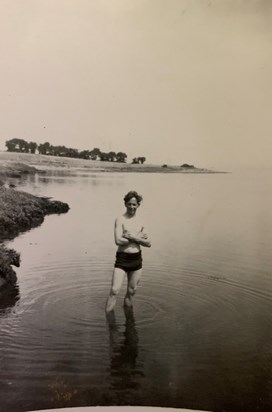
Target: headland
{"x":48,"y":162}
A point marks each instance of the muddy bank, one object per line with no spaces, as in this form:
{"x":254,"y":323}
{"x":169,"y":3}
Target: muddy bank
{"x":20,"y":211}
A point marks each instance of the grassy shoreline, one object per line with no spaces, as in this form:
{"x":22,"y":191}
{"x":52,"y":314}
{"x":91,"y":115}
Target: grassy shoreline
{"x":44,"y":162}
{"x":19,"y":212}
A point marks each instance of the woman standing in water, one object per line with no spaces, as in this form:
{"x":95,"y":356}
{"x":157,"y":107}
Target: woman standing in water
{"x":129,"y":236}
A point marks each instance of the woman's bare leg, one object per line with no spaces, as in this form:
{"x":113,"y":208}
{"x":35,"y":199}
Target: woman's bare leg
{"x":117,"y":280}
{"x":133,"y":280}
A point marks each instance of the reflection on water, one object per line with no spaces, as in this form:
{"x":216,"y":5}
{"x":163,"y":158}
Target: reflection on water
{"x":125,"y":368}
{"x":200,"y":333}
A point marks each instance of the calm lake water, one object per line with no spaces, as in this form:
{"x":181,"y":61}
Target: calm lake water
{"x":200,"y":333}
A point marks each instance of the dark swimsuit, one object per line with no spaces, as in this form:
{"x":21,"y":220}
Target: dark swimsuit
{"x":128,"y":262}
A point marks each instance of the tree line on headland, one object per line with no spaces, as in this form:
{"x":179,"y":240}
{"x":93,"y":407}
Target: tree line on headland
{"x":22,"y":146}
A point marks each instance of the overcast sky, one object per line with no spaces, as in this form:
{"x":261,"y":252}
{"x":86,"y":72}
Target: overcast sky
{"x":172,"y":80}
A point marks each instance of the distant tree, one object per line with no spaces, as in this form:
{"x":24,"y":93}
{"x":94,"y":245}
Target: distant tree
{"x":95,"y":153}
{"x":12,"y":145}
{"x":104,"y":157}
{"x":32,"y":146}
{"x":70,"y":152}
{"x":44,"y":148}
{"x":57,"y":150}
{"x":164,"y":166}
{"x":139,"y":159}
{"x":17,"y":145}
{"x":112,"y":156}
{"x":23,"y":146}
{"x":121,"y":157}
{"x":85,"y":154}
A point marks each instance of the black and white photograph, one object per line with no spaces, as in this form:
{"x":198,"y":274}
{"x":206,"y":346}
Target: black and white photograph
{"x":135,"y":205}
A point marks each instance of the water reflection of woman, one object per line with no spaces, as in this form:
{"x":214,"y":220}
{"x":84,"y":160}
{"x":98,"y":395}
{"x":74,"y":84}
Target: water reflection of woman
{"x":130,"y":234}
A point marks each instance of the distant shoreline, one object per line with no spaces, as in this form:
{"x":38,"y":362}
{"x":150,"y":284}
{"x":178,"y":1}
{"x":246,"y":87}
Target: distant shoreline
{"x":10,"y":160}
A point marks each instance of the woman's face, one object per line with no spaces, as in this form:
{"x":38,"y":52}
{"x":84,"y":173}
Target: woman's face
{"x":132,"y":205}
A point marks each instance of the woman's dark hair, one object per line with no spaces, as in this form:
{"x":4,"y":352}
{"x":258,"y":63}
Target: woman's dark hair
{"x":132,"y":194}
